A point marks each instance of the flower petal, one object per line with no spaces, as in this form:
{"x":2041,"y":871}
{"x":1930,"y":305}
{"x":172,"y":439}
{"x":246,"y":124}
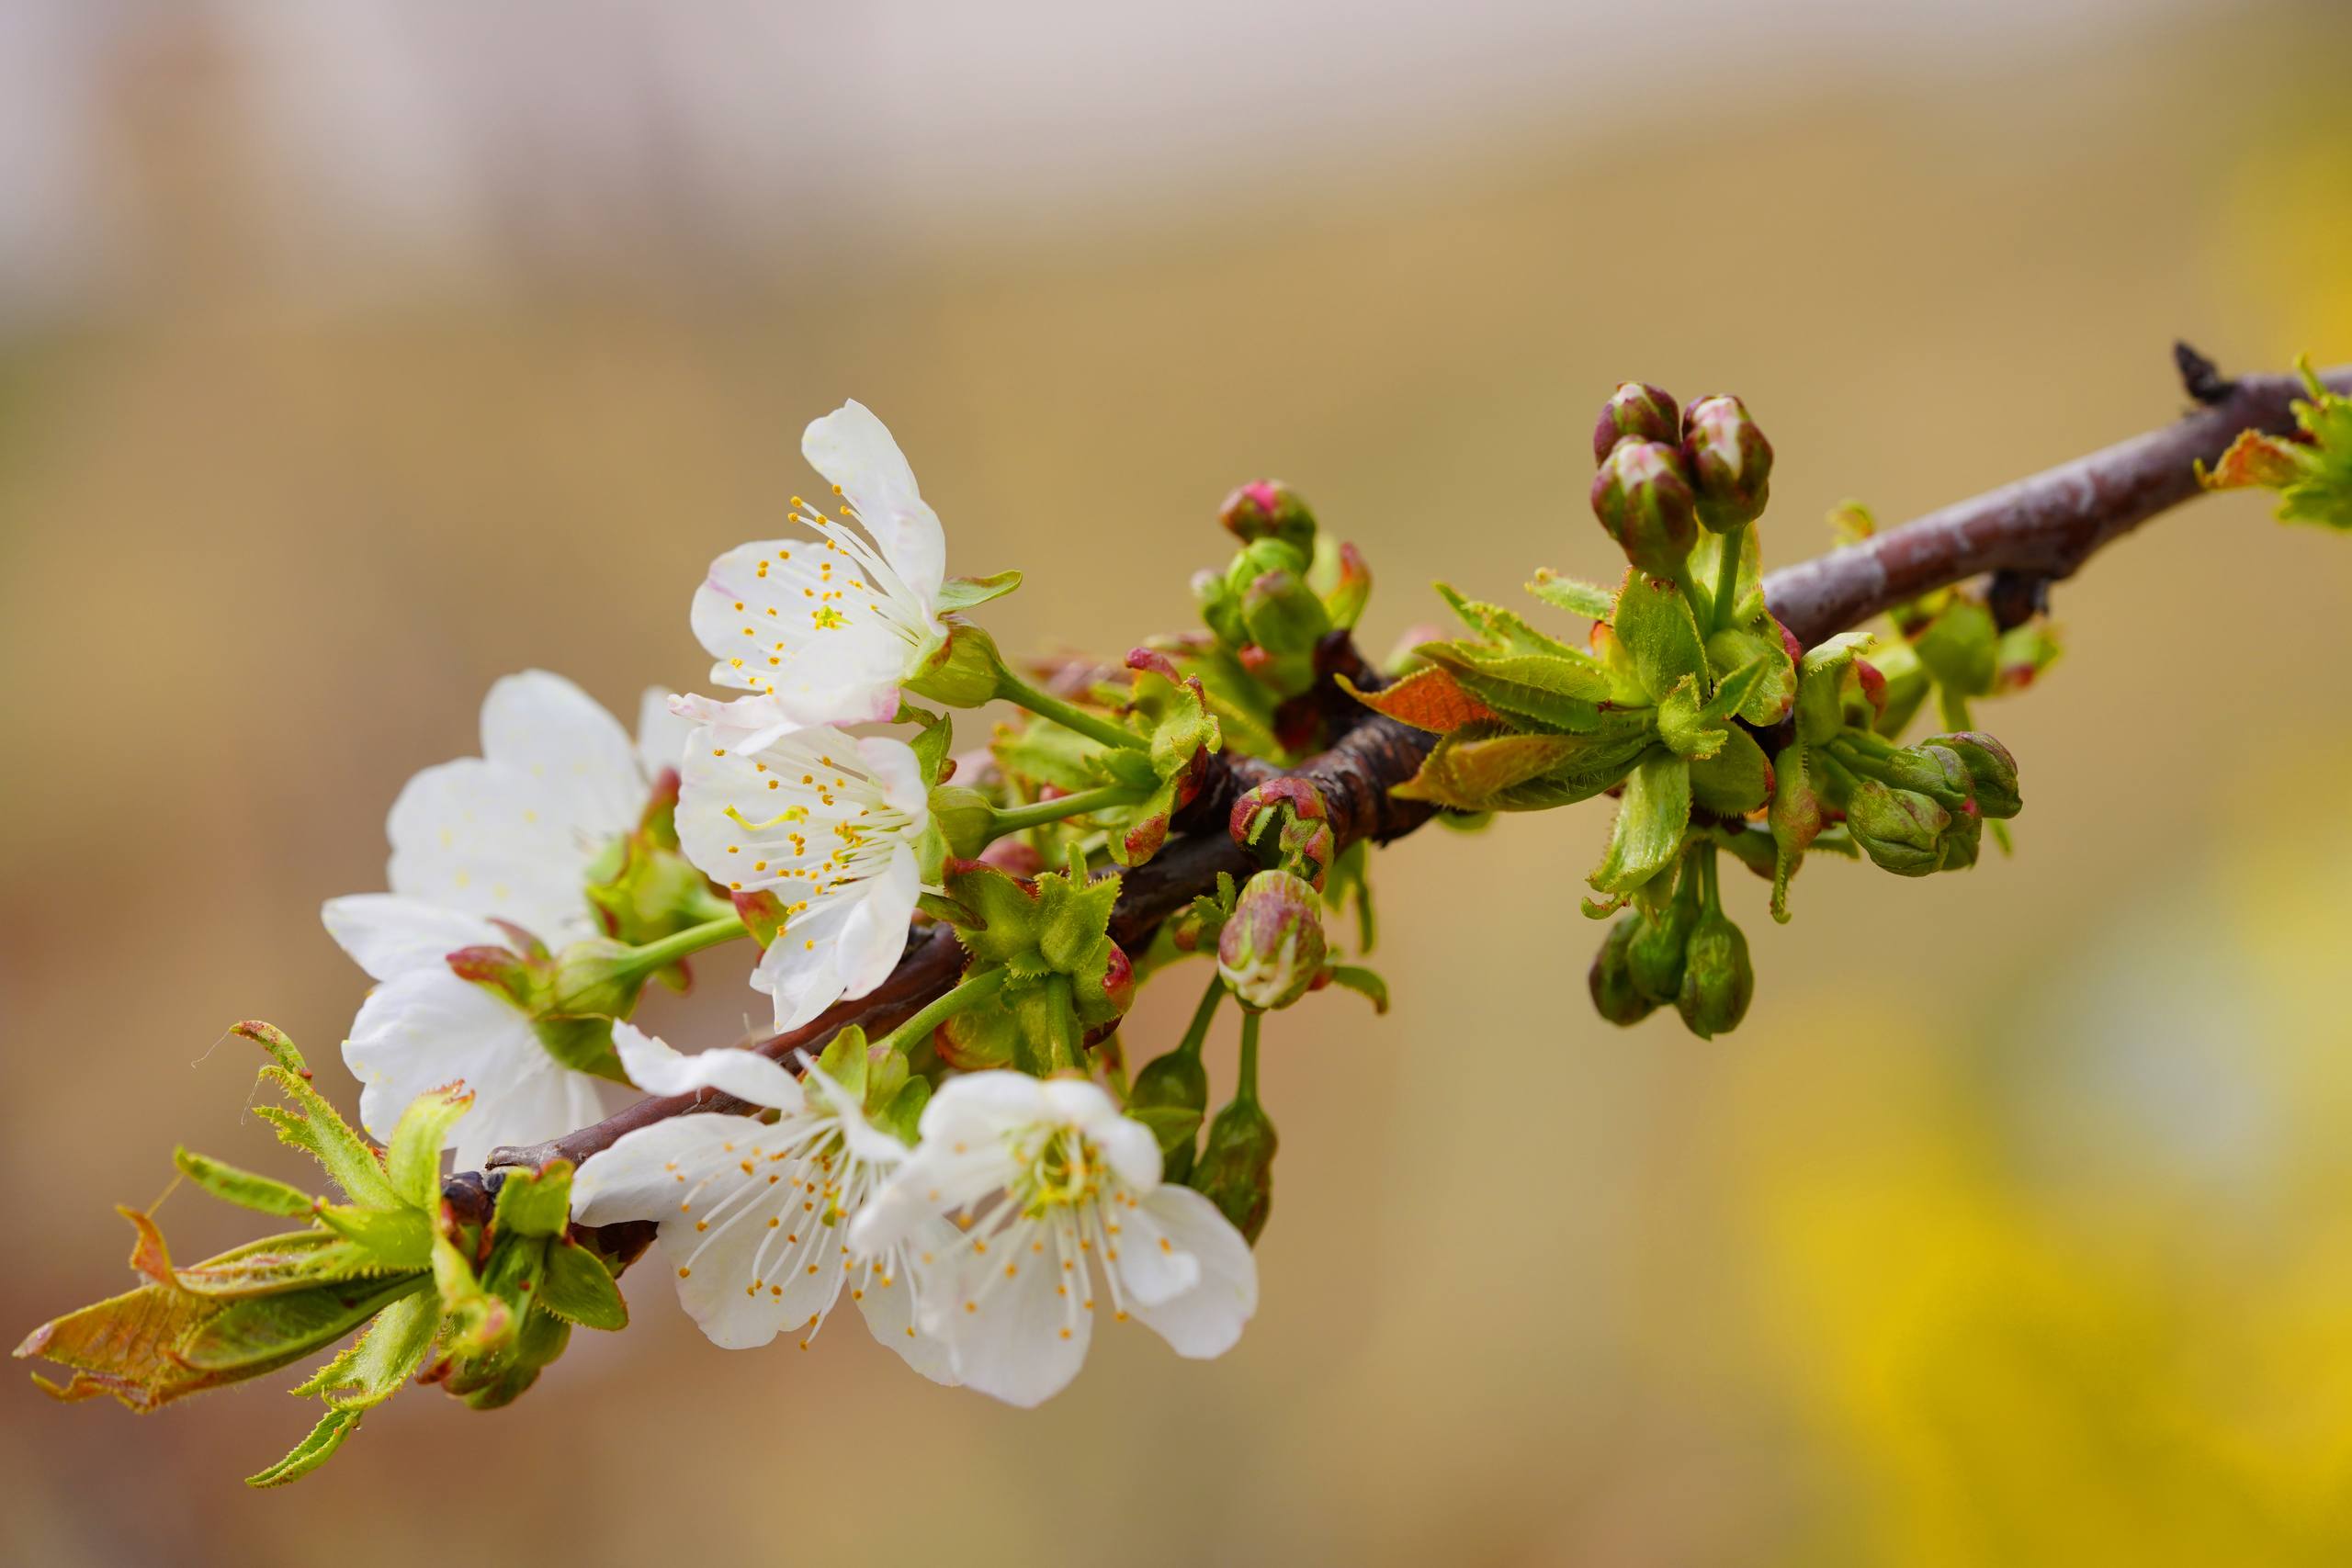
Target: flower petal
{"x":642,"y":1175}
{"x":427,"y":1028}
{"x":890,"y":1299}
{"x":1207,"y":1320}
{"x":794,"y":620}
{"x":661,"y":734}
{"x":656,"y":1068}
{"x":1019,"y":1332}
{"x":894,"y":767}
{"x":388,"y":935}
{"x":1152,"y":1269}
{"x":550,"y":730}
{"x":855,"y":451}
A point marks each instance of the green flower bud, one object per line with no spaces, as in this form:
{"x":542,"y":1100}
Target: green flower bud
{"x":1642,"y":498}
{"x":1269,"y":508}
{"x":1237,"y":1167}
{"x":1656,"y":953}
{"x":1220,"y":607}
{"x":965,"y":818}
{"x":1285,"y":823}
{"x":1717,"y":980}
{"x":1171,"y":1096}
{"x":1271,"y":949}
{"x":963,"y":671}
{"x":1639,"y":411}
{"x":1961,"y":841}
{"x":1282,"y":614}
{"x":1931,"y":770}
{"x":1730,"y":463}
{"x":1615,"y":997}
{"x":1900,"y":830}
{"x":1991,"y":770}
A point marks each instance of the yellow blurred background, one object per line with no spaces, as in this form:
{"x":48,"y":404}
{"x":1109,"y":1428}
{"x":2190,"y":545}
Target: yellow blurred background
{"x":338,"y":379}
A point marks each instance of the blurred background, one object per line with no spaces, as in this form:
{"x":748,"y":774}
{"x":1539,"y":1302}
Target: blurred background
{"x":353,"y":354}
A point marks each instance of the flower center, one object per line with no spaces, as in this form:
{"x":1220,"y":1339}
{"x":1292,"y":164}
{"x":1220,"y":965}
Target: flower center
{"x":1067,"y":1173}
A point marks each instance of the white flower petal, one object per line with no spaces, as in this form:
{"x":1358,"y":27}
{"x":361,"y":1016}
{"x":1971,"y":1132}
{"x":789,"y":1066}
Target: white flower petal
{"x":1207,"y":1320}
{"x":1152,"y":1269}
{"x":855,"y":450}
{"x":782,"y":618}
{"x":985,"y":1105}
{"x":874,"y":935}
{"x":661,"y":734}
{"x":427,"y":1028}
{"x":656,"y":1068}
{"x":889,"y":1300}
{"x":388,"y":935}
{"x":548,"y":730}
{"x":893,"y":765}
{"x":1020,"y":1335}
{"x":483,"y":840}
{"x":641,"y":1175}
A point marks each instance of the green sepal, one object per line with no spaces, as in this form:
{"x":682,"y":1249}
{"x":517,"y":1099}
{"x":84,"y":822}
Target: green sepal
{"x":261,"y":1195}
{"x":311,"y":1451}
{"x":966,"y":592}
{"x":901,"y":1115}
{"x":1363,"y":982}
{"x":580,"y":1289}
{"x":1821,"y":674}
{"x":932,"y":741}
{"x":845,"y":1061}
{"x":535,"y":1203}
{"x":1656,"y":629}
{"x":1736,"y":780}
{"x":1907,"y":684}
{"x":412,"y":1160}
{"x":1652,"y":818}
{"x":583,"y":1041}
{"x":1960,"y":646}
{"x":1573,"y":594}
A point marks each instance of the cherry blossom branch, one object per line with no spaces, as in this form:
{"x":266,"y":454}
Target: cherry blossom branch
{"x":2040,"y":528}
{"x":2027,"y":534}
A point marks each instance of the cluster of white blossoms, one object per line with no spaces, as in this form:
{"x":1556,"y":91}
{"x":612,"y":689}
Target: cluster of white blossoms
{"x":1025,"y":1208}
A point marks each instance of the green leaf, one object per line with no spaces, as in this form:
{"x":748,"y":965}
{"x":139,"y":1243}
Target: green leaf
{"x":964,"y":592}
{"x":1706,"y":561}
{"x":1501,"y":626}
{"x":932,"y":741}
{"x":264,"y":1333}
{"x":1655,"y":625}
{"x":535,"y":1203}
{"x":311,"y":1451}
{"x":397,"y":1239}
{"x":242,"y":1188}
{"x":386,"y":1355}
{"x":414,"y":1160}
{"x":1481,"y":768}
{"x":579,"y":1289}
{"x":1574,"y":594}
{"x":1820,"y":676}
{"x":308,"y":1123}
{"x":1734,"y":648}
{"x":1363,"y":982}
{"x":1526,"y":688}
{"x":1651,"y":819}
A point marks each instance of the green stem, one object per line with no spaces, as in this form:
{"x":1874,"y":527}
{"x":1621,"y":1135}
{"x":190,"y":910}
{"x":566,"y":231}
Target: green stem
{"x":1197,"y":1033}
{"x":1703,"y":609}
{"x":1709,"y":893}
{"x":1727,"y":576}
{"x":1246,"y":1090}
{"x":1953,"y":708}
{"x":660,"y":954}
{"x":1036,"y":814}
{"x":1094,"y":727}
{"x":972,"y":992}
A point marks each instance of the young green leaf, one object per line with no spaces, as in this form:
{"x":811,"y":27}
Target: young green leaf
{"x":1651,"y":819}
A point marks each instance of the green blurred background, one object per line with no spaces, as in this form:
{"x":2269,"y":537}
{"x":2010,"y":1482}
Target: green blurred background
{"x":353,"y":356}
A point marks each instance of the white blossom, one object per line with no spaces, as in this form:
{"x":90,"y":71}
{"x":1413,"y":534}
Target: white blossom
{"x":829,"y":824}
{"x":822,"y":630}
{"x":1065,"y":1218}
{"x":509,"y":835}
{"x":752,"y":1216}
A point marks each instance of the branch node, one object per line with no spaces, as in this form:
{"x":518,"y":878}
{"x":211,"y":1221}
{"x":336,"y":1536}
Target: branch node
{"x":2200,"y":378}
